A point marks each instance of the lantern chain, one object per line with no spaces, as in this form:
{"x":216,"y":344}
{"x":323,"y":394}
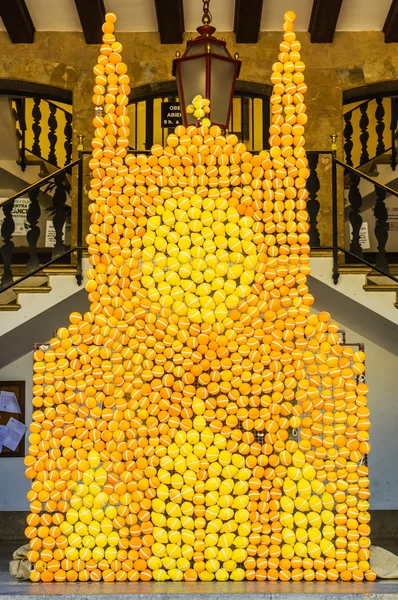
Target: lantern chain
{"x":207,"y":16}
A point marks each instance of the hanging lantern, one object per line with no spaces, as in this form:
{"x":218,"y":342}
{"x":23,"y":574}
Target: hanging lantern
{"x":207,"y":69}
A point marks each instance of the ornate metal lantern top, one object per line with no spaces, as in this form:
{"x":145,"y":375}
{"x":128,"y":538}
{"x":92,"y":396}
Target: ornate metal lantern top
{"x":207,"y":68}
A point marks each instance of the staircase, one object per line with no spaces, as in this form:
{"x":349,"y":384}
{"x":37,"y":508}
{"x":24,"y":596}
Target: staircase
{"x":37,"y":137}
{"x":380,"y":283}
{"x":9,"y":300}
{"x":369,"y":253}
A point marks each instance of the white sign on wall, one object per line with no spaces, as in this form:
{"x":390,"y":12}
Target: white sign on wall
{"x":50,"y":234}
{"x":19,"y":214}
{"x":363,"y":236}
{"x":393,"y":218}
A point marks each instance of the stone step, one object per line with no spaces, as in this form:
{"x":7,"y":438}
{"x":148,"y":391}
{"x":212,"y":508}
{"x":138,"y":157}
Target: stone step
{"x":245,"y":590}
{"x":9,"y":307}
{"x":32,"y":289}
{"x":37,"y":284}
{"x":374,"y":287}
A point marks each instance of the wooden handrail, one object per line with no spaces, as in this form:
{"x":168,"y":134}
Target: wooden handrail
{"x":364,"y":176}
{"x":41,"y":268}
{"x":358,"y":258}
{"x":349,"y":112}
{"x":38,"y":184}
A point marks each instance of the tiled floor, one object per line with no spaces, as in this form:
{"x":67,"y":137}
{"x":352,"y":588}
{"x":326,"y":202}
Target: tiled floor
{"x":10,"y":588}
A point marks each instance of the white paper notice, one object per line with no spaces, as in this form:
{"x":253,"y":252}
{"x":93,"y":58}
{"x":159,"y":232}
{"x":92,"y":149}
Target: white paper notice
{"x":19,"y":214}
{"x":363,"y":236}
{"x":50,"y":234}
{"x":3,"y":433}
{"x":9,"y":403}
{"x":393,"y":218}
{"x":15,"y":432}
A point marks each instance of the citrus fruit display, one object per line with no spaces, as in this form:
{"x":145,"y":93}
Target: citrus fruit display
{"x":199,"y":422}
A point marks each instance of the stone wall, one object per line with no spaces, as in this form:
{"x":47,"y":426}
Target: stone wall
{"x":64,"y":60}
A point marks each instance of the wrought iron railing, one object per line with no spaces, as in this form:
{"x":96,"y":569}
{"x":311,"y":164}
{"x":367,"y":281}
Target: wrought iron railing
{"x":31,"y":241}
{"x":379,"y":261}
{"x":52,"y":196}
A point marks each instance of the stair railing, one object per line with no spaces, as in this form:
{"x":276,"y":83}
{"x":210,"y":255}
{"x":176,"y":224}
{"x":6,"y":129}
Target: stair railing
{"x":37,"y":258}
{"x":378,"y":114}
{"x":37,"y":234}
{"x":44,"y":130}
{"x":353,"y":254}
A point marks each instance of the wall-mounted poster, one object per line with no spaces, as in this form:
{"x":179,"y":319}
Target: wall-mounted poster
{"x":12,"y":419}
{"x":19,"y":214}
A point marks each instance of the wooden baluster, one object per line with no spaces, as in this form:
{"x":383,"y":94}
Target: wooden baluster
{"x":355,"y":200}
{"x":52,"y":134}
{"x":6,"y":251}
{"x":68,"y":138}
{"x":381,"y":227}
{"x":364,"y":135}
{"x":33,"y":233}
{"x":59,"y":218}
{"x":348,"y":143}
{"x":36,"y":114}
{"x":313,"y":204}
{"x":380,"y":126}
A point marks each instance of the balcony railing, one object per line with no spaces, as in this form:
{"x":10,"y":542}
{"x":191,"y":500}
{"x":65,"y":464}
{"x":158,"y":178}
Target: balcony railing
{"x":31,"y":240}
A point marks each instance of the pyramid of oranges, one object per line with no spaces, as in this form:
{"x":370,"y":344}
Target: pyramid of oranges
{"x":199,"y":423}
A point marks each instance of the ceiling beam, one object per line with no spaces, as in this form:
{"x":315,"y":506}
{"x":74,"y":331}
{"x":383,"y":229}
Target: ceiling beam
{"x":92,"y":17}
{"x":390,"y":28}
{"x":170,"y":15}
{"x":247,"y":20}
{"x":17,"y":21}
{"x":323,"y":20}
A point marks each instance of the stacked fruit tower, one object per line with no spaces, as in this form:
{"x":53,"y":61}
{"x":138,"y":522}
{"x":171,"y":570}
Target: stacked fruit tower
{"x":199,"y":422}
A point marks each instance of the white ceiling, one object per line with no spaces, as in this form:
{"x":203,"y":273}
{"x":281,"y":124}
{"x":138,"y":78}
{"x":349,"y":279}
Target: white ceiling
{"x":223,"y":13}
{"x":133,"y":15}
{"x":363,"y":15}
{"x":140,"y":15}
{"x":272,"y":18}
{"x":48,"y":15}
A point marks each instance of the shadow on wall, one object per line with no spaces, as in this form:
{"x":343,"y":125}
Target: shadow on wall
{"x":352,"y":315}
{"x":41,"y":328}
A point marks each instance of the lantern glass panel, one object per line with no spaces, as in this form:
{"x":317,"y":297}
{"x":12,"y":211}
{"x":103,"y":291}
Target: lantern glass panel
{"x":195,"y":49}
{"x":222,"y":79}
{"x":193,"y":76}
{"x":219,"y":49}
